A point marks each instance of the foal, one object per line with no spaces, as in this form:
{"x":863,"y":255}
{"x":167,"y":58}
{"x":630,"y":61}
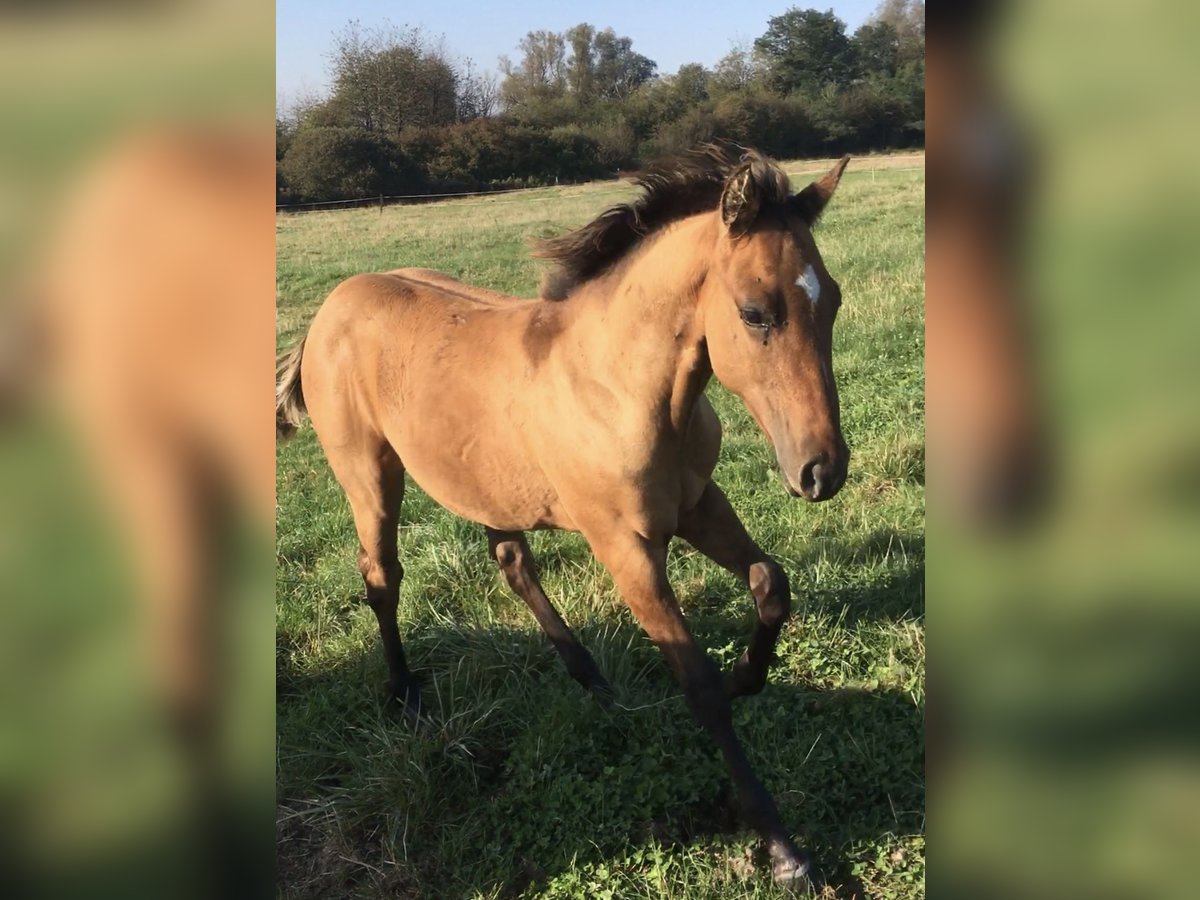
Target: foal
{"x":585,"y":410}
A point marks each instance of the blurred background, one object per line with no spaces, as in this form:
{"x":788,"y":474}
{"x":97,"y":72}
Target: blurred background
{"x":1065,"y":443}
{"x":136,"y":459}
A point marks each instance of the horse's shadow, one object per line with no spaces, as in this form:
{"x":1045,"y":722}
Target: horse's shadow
{"x":519,"y":774}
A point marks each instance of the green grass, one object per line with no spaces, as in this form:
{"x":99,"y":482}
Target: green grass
{"x":524,"y":786}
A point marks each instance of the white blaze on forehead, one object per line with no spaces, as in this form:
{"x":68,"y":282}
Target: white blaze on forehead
{"x":808,"y":281}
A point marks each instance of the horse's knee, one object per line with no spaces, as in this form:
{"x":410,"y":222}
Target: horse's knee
{"x":509,"y":555}
{"x":516,"y":563}
{"x":377,"y":575}
{"x":772,"y":594}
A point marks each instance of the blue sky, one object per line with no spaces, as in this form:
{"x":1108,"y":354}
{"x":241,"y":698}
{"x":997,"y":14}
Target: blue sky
{"x":484,"y":31}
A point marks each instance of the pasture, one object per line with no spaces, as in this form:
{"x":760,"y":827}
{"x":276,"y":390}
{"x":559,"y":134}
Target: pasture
{"x":524,"y":785}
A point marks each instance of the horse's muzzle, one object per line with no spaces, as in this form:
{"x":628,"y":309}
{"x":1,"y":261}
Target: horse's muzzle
{"x":818,"y":479}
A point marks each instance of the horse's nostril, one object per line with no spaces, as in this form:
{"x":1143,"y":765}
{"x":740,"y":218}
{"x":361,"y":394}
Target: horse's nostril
{"x":808,"y":479}
{"x":819,"y":478}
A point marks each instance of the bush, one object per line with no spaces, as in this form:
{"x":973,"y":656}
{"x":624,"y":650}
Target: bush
{"x":320,"y":161}
{"x":330,"y":163}
{"x":575,"y":154}
{"x":694,"y":127}
{"x":616,"y":145}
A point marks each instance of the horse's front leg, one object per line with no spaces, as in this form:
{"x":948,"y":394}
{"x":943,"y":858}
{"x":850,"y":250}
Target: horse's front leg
{"x":713,"y":528}
{"x":639,"y":566}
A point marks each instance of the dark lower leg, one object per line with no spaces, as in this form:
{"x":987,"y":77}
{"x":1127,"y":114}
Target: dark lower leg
{"x":772,"y":597}
{"x":383,"y":596}
{"x":713,"y":528}
{"x":512,"y":552}
{"x":710,"y":705}
{"x":640,"y":571}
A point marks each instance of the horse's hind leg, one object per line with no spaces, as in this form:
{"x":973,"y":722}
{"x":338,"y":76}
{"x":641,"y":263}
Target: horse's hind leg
{"x":374,"y":485}
{"x":512,"y":552}
{"x":713,"y":528}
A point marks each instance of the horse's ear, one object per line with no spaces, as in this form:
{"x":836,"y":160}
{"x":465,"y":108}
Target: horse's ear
{"x":740,"y":201}
{"x":810,"y":202}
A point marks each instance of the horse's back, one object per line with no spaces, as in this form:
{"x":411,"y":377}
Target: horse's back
{"x":456,"y":289}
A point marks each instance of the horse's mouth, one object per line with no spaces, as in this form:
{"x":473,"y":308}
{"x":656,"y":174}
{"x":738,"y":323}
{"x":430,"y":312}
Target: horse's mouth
{"x":787,"y":484}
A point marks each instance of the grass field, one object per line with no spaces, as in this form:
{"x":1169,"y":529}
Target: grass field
{"x":524,"y":786}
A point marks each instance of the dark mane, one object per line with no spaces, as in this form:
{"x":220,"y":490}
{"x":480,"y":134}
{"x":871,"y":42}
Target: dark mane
{"x":672,"y":190}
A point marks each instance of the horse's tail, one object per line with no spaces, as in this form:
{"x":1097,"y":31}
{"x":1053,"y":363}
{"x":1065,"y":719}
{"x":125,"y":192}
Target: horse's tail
{"x":289,"y":394}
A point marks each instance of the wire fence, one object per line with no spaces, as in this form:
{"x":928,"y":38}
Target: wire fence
{"x":383,"y":199}
{"x":391,"y":199}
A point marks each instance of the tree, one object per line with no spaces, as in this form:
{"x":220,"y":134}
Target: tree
{"x":284,"y":131}
{"x":891,"y":50}
{"x":876,"y":49}
{"x":691,"y":82}
{"x":544,"y":86}
{"x":807,"y":50}
{"x":619,"y":70}
{"x":388,"y":79}
{"x":738,"y":70}
{"x":478,"y":94}
{"x":907,"y":19}
{"x":540,"y":75}
{"x":283,"y":140}
{"x":581,"y":71}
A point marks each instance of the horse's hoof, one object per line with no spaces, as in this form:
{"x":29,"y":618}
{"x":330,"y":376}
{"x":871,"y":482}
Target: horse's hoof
{"x":603,"y":692}
{"x":414,"y":713}
{"x":796,"y":872}
{"x":798,"y":881}
{"x":408,"y":698}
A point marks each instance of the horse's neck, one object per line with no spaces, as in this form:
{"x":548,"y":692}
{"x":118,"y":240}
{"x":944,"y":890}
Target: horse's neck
{"x":645,"y":330}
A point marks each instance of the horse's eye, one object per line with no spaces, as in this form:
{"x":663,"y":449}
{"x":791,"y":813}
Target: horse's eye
{"x":753,"y":317}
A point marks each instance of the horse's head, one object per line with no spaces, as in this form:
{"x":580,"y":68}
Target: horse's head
{"x":769,"y":306}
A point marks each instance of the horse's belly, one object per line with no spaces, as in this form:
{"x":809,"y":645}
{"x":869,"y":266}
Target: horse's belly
{"x":508,"y":507}
{"x":483,"y":483}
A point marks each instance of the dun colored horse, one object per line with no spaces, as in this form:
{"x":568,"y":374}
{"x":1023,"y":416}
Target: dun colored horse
{"x":584,"y":410}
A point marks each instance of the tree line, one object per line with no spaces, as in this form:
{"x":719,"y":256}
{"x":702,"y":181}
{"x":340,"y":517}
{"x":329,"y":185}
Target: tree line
{"x":403,"y":116}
